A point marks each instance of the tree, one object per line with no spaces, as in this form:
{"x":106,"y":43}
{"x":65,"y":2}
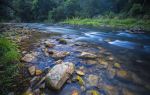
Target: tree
{"x":23,"y":8}
{"x":41,"y":8}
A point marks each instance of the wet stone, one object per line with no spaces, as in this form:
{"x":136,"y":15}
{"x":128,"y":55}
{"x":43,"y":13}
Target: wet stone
{"x":30,"y":57}
{"x":59,"y":74}
{"x":87,"y":55}
{"x":79,"y":72}
{"x":59,"y":54}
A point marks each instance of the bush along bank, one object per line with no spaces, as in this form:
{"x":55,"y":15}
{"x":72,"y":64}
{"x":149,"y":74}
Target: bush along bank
{"x":128,"y":23}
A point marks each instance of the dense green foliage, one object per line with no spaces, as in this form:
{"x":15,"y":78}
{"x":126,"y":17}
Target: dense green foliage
{"x":9,"y":56}
{"x":56,"y":10}
{"x":110,"y":22}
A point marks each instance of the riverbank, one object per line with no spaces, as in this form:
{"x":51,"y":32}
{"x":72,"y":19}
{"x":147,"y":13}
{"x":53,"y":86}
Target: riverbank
{"x":9,"y":59}
{"x":129,"y":23}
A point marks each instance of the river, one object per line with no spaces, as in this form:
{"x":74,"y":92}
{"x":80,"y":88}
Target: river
{"x":130,"y":50}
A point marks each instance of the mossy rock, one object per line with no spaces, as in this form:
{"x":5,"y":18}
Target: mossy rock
{"x":117,"y":65}
{"x":62,"y":41}
{"x":80,"y":80}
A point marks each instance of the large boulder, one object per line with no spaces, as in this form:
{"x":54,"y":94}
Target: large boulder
{"x":59,"y":74}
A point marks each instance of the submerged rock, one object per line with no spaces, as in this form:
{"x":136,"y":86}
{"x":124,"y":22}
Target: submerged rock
{"x":87,"y":55}
{"x":62,"y":41}
{"x":92,"y":80}
{"x":59,"y":74}
{"x":49,"y":44}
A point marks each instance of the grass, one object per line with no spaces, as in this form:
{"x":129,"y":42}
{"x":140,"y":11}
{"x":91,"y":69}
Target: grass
{"x":9,"y":56}
{"x":110,"y":22}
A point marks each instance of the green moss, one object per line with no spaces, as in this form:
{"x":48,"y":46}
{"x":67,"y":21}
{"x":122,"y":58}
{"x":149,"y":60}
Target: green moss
{"x":62,"y":41}
{"x":9,"y":56}
{"x":110,"y":22}
{"x":80,"y":80}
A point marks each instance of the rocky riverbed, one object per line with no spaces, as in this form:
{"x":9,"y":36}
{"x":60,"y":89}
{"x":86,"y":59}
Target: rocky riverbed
{"x":70,"y":61}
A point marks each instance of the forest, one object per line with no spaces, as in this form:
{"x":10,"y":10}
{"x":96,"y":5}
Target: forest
{"x":57,"y":10}
{"x":74,"y":47}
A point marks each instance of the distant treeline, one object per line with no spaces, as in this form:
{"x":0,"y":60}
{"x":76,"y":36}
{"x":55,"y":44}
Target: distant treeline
{"x":57,"y":10}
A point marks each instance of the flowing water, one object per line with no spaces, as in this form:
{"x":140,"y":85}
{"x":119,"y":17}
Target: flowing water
{"x":131,"y":51}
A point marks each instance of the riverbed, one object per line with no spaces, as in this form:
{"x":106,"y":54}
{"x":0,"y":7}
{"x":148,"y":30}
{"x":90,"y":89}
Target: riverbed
{"x":122,"y":66}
